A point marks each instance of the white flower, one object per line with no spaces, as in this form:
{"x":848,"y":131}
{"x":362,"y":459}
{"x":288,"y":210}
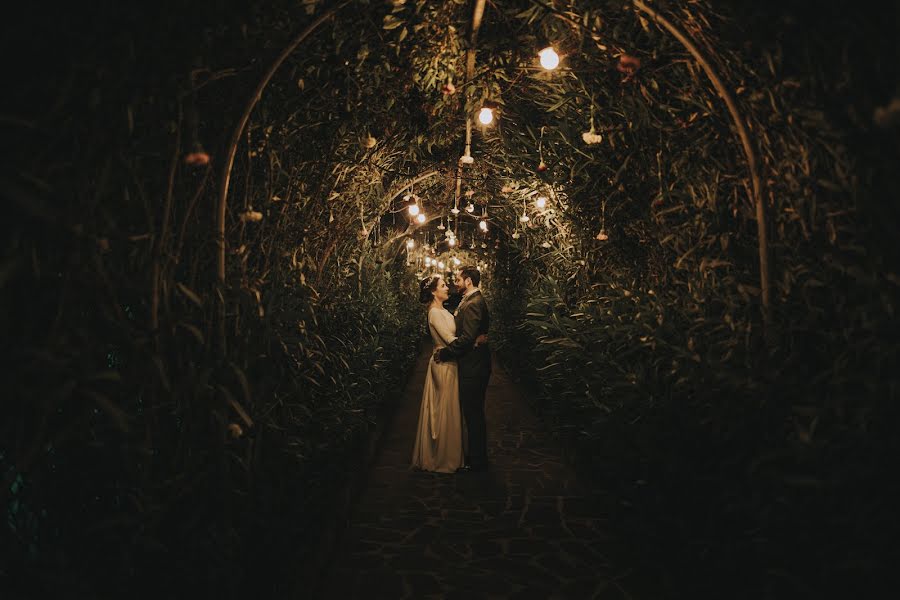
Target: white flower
{"x":591,"y":137}
{"x":251,"y":216}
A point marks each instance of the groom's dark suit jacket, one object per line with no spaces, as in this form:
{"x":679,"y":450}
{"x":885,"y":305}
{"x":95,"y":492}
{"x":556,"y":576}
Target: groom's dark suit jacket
{"x":472,"y":319}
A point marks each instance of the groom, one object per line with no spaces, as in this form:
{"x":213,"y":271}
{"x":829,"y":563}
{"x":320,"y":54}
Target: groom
{"x":472,"y":319}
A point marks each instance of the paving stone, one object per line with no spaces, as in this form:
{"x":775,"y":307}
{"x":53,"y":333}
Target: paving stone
{"x":368,"y":561}
{"x":415,"y":560}
{"x":584,"y":587}
{"x":582,"y":554}
{"x":422,"y":536}
{"x":379,"y":534}
{"x":552,"y":562}
{"x":361,"y":546}
{"x":382,"y":583}
{"x":421,"y":584}
{"x":490,"y":549}
{"x":453,"y":553}
{"x":489,"y":584}
{"x":530,"y":547}
{"x":523,"y":529}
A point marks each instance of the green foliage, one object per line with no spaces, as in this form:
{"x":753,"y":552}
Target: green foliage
{"x":140,"y":459}
{"x":129,"y":412}
{"x":755,"y":455}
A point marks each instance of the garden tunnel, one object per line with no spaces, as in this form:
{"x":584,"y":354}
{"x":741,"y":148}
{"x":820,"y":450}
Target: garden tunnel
{"x":217,"y":217}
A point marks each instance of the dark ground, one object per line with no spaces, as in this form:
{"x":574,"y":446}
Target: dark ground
{"x":525,"y":529}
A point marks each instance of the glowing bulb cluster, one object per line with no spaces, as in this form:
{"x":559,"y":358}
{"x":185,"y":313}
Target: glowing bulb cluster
{"x":541,"y":202}
{"x":486,"y":116}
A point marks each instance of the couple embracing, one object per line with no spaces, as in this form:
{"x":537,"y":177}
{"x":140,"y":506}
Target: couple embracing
{"x":452,"y":434}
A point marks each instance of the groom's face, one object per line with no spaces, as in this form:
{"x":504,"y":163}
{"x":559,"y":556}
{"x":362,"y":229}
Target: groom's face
{"x":460,"y":283}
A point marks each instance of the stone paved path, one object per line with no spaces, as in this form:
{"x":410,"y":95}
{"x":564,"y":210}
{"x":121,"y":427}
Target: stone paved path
{"x":524,"y":529}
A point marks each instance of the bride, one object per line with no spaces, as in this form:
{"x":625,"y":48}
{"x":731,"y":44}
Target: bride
{"x":439,"y":439}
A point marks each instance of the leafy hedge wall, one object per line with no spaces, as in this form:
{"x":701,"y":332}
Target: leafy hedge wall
{"x":144,"y":459}
{"x":753,"y":465}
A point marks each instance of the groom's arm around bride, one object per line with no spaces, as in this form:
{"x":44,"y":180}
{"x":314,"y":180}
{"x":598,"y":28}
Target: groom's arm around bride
{"x":469,"y":326}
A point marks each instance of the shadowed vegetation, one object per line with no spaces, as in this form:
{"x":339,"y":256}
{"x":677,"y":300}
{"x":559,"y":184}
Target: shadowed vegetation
{"x":148,"y":440}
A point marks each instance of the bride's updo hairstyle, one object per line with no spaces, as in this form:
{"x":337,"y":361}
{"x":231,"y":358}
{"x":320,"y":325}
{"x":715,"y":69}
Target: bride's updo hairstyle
{"x":427,"y":287}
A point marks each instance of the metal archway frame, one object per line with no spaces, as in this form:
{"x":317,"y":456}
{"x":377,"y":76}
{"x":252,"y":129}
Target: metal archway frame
{"x":231,"y":151}
{"x":744,"y":137}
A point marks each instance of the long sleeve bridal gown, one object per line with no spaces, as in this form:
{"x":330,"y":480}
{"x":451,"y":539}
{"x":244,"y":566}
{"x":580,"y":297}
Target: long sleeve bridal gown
{"x":439,"y":439}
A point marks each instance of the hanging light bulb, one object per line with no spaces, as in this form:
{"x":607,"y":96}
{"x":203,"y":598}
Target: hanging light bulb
{"x":516,"y":235}
{"x":549,"y":58}
{"x":427,"y":261}
{"x":524,"y":218}
{"x":456,"y":261}
{"x":441,"y":265}
{"x":482,"y":225}
{"x":413,"y":209}
{"x":410,"y":244}
{"x":486,"y":116}
{"x":470,"y":208}
{"x":441,"y":225}
{"x":541,"y":202}
{"x":421,"y":218}
{"x":454,"y":210}
{"x":452,"y":242}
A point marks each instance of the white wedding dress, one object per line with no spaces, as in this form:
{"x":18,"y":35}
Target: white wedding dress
{"x":439,"y":439}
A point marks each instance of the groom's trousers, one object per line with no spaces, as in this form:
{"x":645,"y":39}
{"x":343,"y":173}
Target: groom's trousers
{"x":471,"y":398}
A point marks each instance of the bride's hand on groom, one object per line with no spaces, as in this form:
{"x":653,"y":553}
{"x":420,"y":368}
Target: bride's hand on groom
{"x":481,"y":340}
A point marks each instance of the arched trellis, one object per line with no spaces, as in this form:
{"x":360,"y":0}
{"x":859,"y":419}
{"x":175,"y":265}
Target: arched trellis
{"x":231,"y":151}
{"x":639,"y":5}
{"x":752,"y":165}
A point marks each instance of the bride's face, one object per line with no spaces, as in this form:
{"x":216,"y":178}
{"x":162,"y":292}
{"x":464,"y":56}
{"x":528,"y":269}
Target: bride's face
{"x":441,"y":292}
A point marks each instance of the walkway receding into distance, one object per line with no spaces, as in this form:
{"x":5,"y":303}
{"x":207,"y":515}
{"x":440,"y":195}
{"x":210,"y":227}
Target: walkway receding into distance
{"x":524,"y":529}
